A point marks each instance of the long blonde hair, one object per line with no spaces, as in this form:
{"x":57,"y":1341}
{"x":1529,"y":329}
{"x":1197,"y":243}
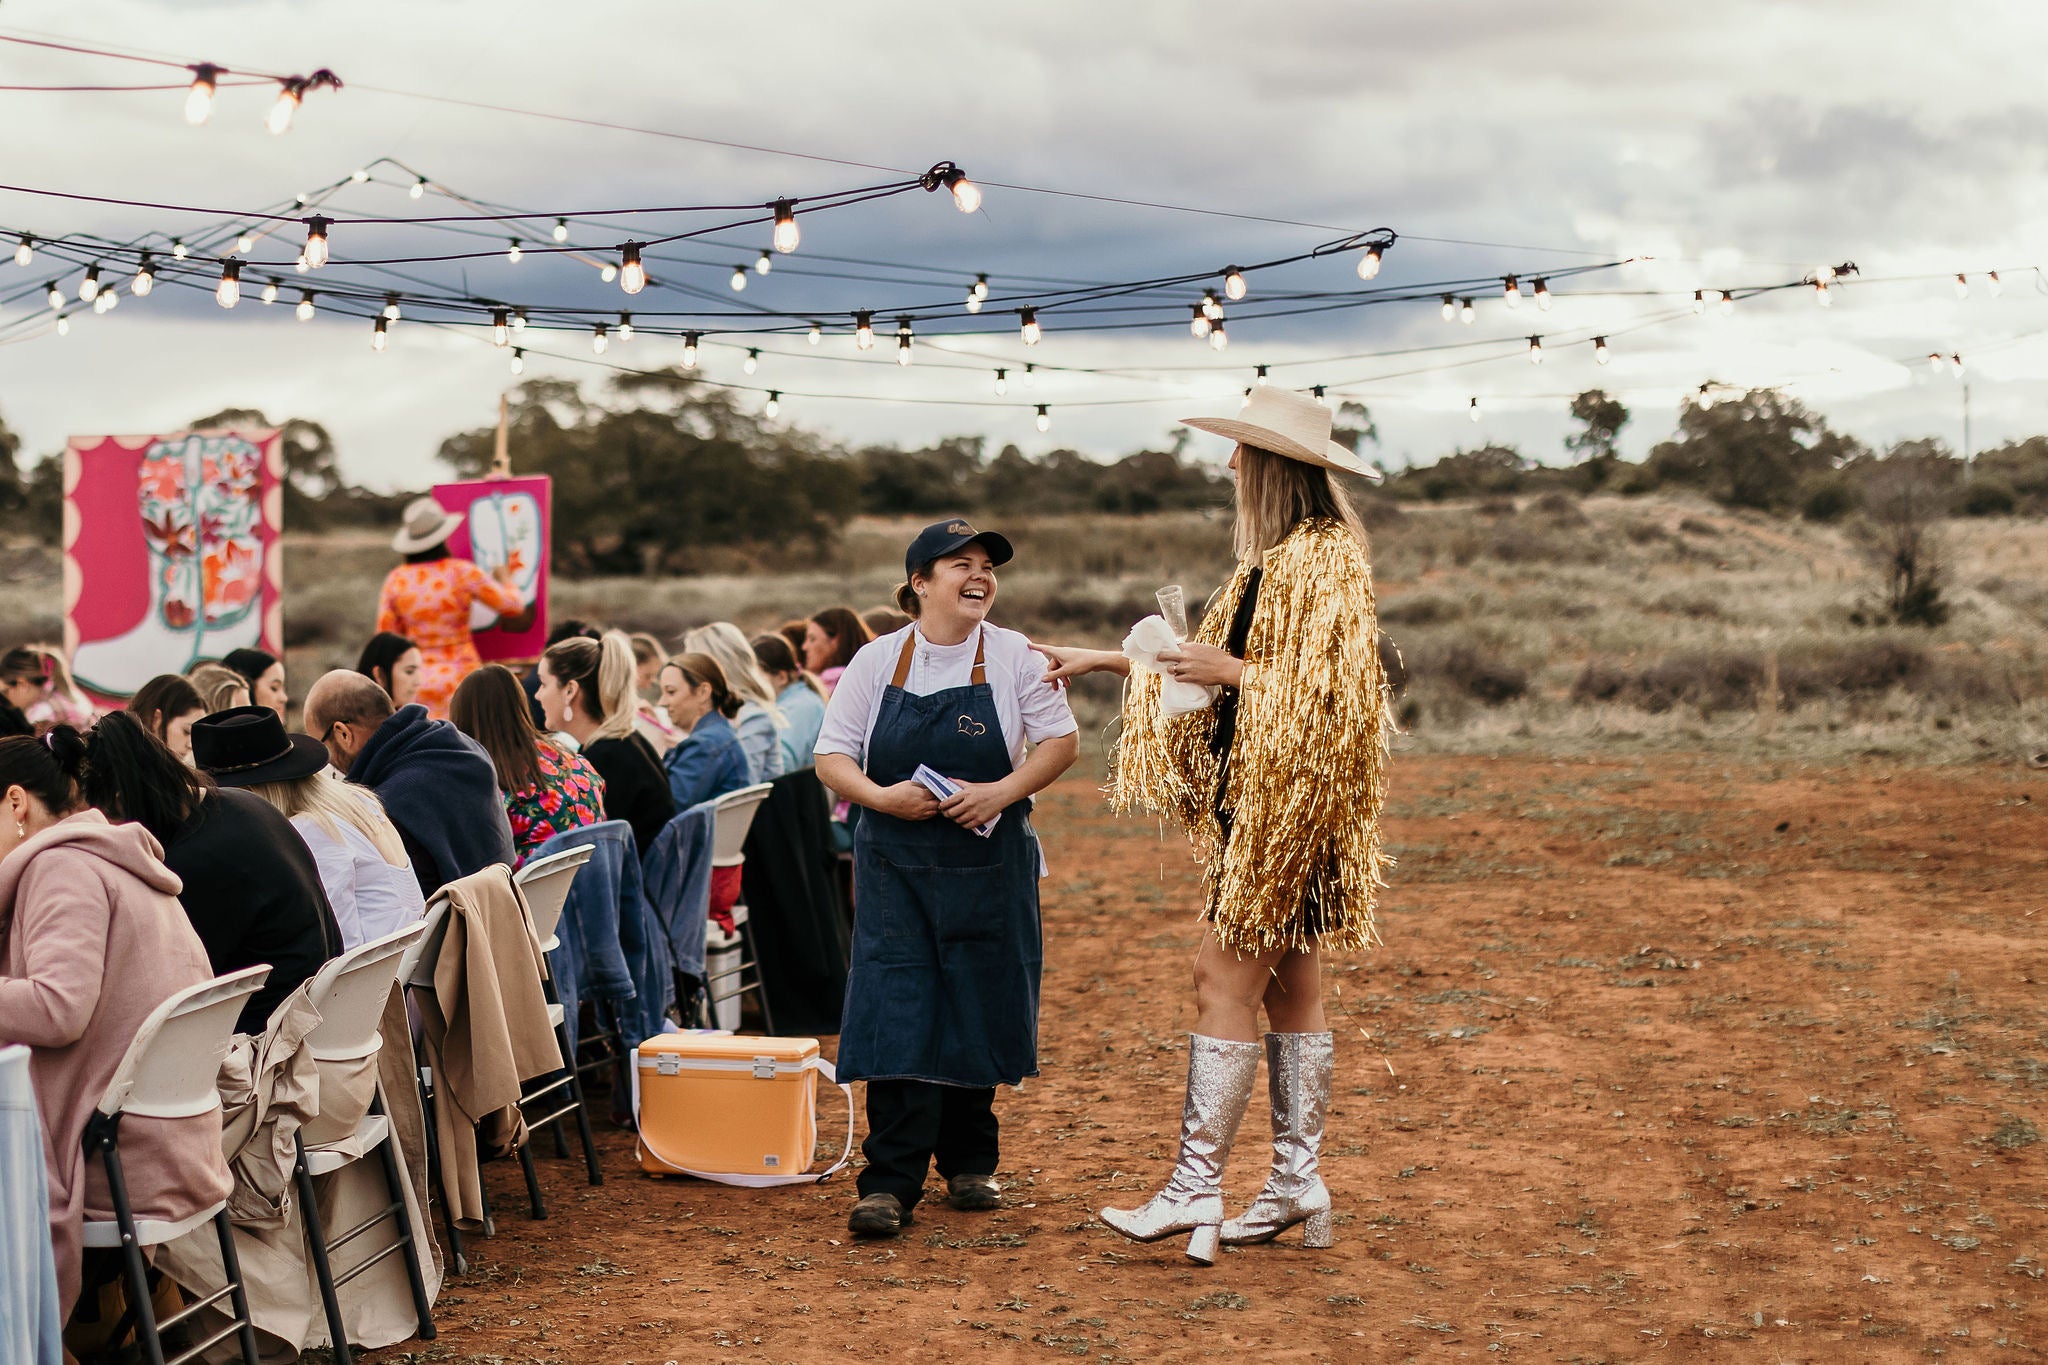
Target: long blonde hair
{"x":743,"y":676}
{"x":333,"y":804}
{"x":1275,"y":494}
{"x":602,"y":670}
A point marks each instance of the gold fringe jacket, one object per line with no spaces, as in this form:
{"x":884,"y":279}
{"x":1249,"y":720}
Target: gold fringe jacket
{"x":1308,"y":763}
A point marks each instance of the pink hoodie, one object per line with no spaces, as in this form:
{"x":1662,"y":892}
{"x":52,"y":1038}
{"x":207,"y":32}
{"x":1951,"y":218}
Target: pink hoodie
{"x":92,"y":938}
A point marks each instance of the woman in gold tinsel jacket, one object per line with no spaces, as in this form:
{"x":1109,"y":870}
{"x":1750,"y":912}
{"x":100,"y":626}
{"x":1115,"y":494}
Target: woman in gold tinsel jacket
{"x":1279,"y":784}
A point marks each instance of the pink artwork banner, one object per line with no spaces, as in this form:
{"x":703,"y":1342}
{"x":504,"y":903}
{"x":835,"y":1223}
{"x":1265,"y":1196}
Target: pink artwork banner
{"x":173,"y":553}
{"x":505,"y":521}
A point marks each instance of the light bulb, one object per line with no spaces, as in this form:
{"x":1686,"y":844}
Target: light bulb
{"x":597,"y":339}
{"x":55,"y":295}
{"x":518,"y":320}
{"x":690,"y":350}
{"x":1044,"y":418}
{"x":1535,"y":350}
{"x":1030,"y":376}
{"x":228,"y":292}
{"x":1450,"y":308}
{"x":561,"y":231}
{"x":739,"y":278}
{"x":1997,"y":285}
{"x":305,"y":308}
{"x":1511,"y":292}
{"x":315,"y":253}
{"x":103,"y":301}
{"x":903,"y":341}
{"x":63,"y":325}
{"x":391,"y":307}
{"x":89,"y":287}
{"x":1962,"y":286}
{"x":1820,"y":291}
{"x":607,"y":272}
{"x":1030,"y":329}
{"x":1198,"y":321}
{"x":625,"y":326}
{"x":25,"y":250}
{"x":752,"y":362}
{"x":816,"y":334}
{"x":1317,"y":393}
{"x":279,"y":120}
{"x":774,"y":403}
{"x":379,"y":333}
{"x":245,"y":244}
{"x":1002,"y":382}
{"x":1233,"y":284}
{"x":1727,"y":303}
{"x":145,"y":277}
{"x":1934,"y":361}
{"x":1543,"y":294}
{"x":1956,"y":363}
{"x":966,"y":194}
{"x":1210,"y":305}
{"x":1369,"y":263}
{"x":501,"y":328}
{"x":518,"y":362}
{"x":632,"y":274}
{"x":1699,"y":302}
{"x":764,"y":263}
{"x":178,"y":250}
{"x":1706,"y":399}
{"x":1824,"y":273}
{"x":787,"y":233}
{"x":1472,"y":409}
{"x":1600,"y":350}
{"x":270,"y":291}
{"x":419,"y":187}
{"x":1259,"y":376}
{"x":864,"y":331}
{"x":1466,"y":312}
{"x":973,"y":302}
{"x":199,"y":99}
{"x":512,"y":252}
{"x":1218,"y":338}
{"x":359,"y":174}
{"x":980,"y":290}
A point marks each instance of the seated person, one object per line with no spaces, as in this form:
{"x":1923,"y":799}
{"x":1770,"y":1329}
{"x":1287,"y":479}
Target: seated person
{"x":167,"y":705}
{"x":797,"y":695}
{"x":708,"y":762}
{"x":547,"y":789}
{"x":249,"y":884}
{"x":586,"y":690}
{"x":436,"y":783}
{"x":759,"y":722}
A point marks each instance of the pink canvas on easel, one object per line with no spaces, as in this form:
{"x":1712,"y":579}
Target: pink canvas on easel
{"x":172,"y":553}
{"x":506,"y":522}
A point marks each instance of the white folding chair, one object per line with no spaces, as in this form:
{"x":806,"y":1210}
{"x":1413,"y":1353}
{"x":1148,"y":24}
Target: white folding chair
{"x":732,"y":816}
{"x":544,"y":883}
{"x":171,"y":1071}
{"x":416,"y":973}
{"x":350,"y":993}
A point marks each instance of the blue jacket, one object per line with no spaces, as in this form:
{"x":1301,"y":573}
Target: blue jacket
{"x":677,"y":876}
{"x":760,"y":740}
{"x":438,"y":786}
{"x":706,"y":763}
{"x":805,"y":712}
{"x":610,"y":950}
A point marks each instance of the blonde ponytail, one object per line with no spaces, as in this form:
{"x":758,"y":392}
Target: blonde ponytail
{"x":616,"y":690}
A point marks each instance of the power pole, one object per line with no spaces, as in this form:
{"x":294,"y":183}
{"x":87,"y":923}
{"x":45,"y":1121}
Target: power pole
{"x":1966,"y":433}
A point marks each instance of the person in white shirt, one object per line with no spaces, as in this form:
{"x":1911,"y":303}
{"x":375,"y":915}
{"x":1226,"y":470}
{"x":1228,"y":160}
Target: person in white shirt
{"x":942,"y":998}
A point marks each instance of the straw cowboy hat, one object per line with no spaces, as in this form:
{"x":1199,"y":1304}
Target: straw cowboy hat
{"x":425,"y":524}
{"x":1286,"y":423}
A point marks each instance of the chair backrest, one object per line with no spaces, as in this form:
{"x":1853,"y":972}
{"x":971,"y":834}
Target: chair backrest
{"x":172,"y":1067}
{"x":416,"y":968}
{"x":732,"y":816}
{"x":350,"y":992}
{"x":545,"y":884}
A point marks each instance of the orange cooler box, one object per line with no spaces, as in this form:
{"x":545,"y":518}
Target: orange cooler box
{"x":743,"y":1111}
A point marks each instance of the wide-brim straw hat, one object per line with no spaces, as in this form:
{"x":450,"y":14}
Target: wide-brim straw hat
{"x":1286,"y":423}
{"x":426,"y":523}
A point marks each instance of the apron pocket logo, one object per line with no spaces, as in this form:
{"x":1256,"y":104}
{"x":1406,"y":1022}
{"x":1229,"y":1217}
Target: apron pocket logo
{"x":972,"y":728}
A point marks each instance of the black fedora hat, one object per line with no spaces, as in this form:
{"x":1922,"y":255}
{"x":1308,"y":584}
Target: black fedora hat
{"x":244,"y":745}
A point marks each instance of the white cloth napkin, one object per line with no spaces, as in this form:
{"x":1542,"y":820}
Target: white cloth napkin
{"x":1149,"y":639}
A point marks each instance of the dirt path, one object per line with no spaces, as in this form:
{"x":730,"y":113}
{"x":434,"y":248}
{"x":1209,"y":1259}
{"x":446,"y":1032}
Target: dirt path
{"x":1671,"y":1061}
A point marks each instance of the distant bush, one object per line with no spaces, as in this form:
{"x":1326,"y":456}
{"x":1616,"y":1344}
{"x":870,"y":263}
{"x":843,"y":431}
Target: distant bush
{"x":1988,"y":498}
{"x":1716,"y":680}
{"x":1827,"y":498}
{"x":1478,"y":674}
{"x":1421,"y":609}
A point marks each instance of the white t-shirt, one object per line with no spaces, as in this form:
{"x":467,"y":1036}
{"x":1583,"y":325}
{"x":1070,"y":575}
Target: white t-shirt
{"x":370,"y":897}
{"x":1028,"y":708}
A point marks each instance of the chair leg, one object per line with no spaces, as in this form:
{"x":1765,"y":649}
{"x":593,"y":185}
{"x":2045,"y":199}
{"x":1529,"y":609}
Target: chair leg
{"x":751,"y":952}
{"x":236,"y":1293}
{"x":582,"y":1111}
{"x":434,"y":1186}
{"x":316,"y":1249}
{"x":394,"y":1187}
{"x":533,"y":1199}
{"x":132,"y":1263}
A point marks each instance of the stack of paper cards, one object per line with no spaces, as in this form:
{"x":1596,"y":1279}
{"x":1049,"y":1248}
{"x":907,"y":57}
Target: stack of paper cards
{"x":941,"y":786}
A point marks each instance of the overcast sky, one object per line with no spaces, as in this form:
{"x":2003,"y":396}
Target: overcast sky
{"x":1740,"y":145}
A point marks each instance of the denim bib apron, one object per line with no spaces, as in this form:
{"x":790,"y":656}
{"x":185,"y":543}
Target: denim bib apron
{"x":946,"y":944}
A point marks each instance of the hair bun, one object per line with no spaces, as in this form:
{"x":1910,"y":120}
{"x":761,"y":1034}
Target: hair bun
{"x":67,"y":746}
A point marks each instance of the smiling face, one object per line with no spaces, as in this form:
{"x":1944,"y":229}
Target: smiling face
{"x":959,"y":589}
{"x":685,"y":702}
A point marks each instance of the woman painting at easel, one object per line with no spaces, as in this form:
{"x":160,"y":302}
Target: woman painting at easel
{"x":427,"y":600}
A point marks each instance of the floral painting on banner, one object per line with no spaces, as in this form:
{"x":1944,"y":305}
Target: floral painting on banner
{"x":172,"y":553}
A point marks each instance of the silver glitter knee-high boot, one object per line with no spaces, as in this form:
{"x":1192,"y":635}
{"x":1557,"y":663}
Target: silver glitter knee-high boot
{"x":1298,"y":1067}
{"x":1220,"y":1076}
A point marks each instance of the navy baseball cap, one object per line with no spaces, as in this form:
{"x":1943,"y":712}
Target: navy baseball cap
{"x":943,"y":537}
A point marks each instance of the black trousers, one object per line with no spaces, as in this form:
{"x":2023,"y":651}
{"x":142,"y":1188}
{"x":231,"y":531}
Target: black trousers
{"x":911,"y":1124}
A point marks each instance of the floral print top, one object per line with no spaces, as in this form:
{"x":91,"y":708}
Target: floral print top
{"x":428,"y":603}
{"x":568,"y":796}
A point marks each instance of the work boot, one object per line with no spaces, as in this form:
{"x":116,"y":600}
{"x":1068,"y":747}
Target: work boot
{"x":974,"y":1193}
{"x":879,"y":1215}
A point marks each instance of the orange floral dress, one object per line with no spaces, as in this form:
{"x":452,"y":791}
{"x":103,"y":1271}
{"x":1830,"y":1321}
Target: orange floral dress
{"x":429,"y":605}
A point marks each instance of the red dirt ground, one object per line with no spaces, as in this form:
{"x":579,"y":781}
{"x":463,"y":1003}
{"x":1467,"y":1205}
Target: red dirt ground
{"x":1670,"y":1059}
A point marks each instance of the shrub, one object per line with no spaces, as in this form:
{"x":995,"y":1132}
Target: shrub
{"x":1481,"y":676}
{"x":1560,"y":508}
{"x":1422,"y":609}
{"x":1712,"y":681}
{"x":1827,"y":498}
{"x":1989,"y":498}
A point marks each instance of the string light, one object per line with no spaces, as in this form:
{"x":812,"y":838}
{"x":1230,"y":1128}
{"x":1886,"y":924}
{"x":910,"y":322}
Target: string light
{"x":1727,"y":303}
{"x":90,"y":285}
{"x":1466,"y":312}
{"x":1198,"y":321}
{"x":1259,"y":376}
{"x":739,"y":278}
{"x":632,"y":274}
{"x":1369,"y":263}
{"x":228,"y":292}
{"x":63,"y":325}
{"x":512,"y":252}
{"x":518,"y":361}
{"x":1543,"y":294}
{"x":379,"y":333}
{"x":1002,"y":382}
{"x":764,"y":264}
{"x":501,"y":328}
{"x":419,"y":187}
{"x":245,"y":243}
{"x":1956,"y":364}
{"x":1706,"y":398}
{"x":199,"y":99}
{"x":903,"y":341}
{"x":279,"y":120}
{"x":598,"y":339}
{"x":1472,"y":409}
{"x":1600,"y":356}
{"x":314,"y":255}
{"x":973,"y":304}
{"x":1699,"y":302}
{"x":359,"y":174}
{"x":1210,"y":305}
{"x":55,"y":296}
{"x":1450,"y":309}
{"x":690,"y":340}
{"x":145,"y":277}
{"x":1962,"y":286}
{"x":1044,"y":418}
{"x":270,"y":291}
{"x":1031,"y":331}
{"x":1218,"y":338}
{"x":1233,"y":283}
{"x":561,"y":230}
{"x":966,"y":194}
{"x":518,"y":320}
{"x":980,"y":290}
{"x":787,"y":233}
{"x":625,"y":327}
{"x":864,"y":331}
{"x":305,"y":308}
{"x":104,"y":300}
{"x":1511,"y":292}
{"x":1820,"y":292}
{"x":607,"y":272}
{"x":753,"y":361}
{"x":25,"y":250}
{"x":1031,"y":376}
{"x":178,"y":249}
{"x":815,"y":335}
{"x":1997,"y":285}
{"x":391,"y":307}
{"x":774,"y":403}
{"x":1934,"y":361}
{"x":1535,"y":350}
{"x":1317,"y":393}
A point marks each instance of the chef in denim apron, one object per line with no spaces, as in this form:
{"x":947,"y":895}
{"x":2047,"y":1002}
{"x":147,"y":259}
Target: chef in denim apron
{"x":942,"y":1000}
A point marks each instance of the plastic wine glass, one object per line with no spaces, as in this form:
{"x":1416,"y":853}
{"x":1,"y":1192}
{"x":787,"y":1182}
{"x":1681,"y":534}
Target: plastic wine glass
{"x":1173,"y":609}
